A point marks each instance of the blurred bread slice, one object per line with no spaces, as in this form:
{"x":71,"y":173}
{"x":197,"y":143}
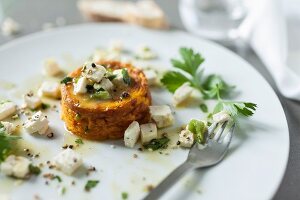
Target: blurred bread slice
{"x":104,"y":10}
{"x":144,"y":12}
{"x":147,"y":13}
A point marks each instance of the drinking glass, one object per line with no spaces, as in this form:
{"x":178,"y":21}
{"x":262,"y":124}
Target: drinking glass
{"x":213,"y":19}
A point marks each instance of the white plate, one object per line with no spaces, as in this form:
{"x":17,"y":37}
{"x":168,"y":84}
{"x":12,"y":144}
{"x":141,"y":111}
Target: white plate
{"x":252,"y":169}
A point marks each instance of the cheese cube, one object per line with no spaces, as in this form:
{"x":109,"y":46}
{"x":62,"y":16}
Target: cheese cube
{"x":151,"y":76}
{"x":38,"y":123}
{"x":32,"y":101}
{"x":51,"y":67}
{"x":182,"y":93}
{"x":67,"y":161}
{"x":10,"y":27}
{"x":221,"y":117}
{"x":148,"y":132}
{"x":106,"y":84}
{"x":80,"y":86}
{"x":7,"y":109}
{"x":118,"y":80}
{"x":132,"y":134}
{"x":145,"y":53}
{"x":186,"y":138}
{"x":94,"y":72}
{"x":16,"y":166}
{"x":162,"y":115}
{"x":115,"y":45}
{"x":50,"y":89}
{"x":8,"y":127}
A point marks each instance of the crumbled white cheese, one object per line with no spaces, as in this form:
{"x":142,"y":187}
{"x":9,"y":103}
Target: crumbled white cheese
{"x":115,"y":46}
{"x":186,"y":138}
{"x":182,"y":93}
{"x":67,"y":161}
{"x":145,"y":53}
{"x":38,"y":123}
{"x":16,"y":166}
{"x":8,"y":127}
{"x":51,"y":67}
{"x":106,"y":84}
{"x":221,"y":117}
{"x":10,"y":27}
{"x":32,"y":101}
{"x":151,"y":76}
{"x":80,"y":86}
{"x":7,"y":109}
{"x":118,"y":80}
{"x":148,"y":132}
{"x":162,"y":115}
{"x":94,"y":72}
{"x":132,"y":134}
{"x":50,"y":89}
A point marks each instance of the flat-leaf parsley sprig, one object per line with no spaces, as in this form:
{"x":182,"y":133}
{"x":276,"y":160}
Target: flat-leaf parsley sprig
{"x":211,"y":86}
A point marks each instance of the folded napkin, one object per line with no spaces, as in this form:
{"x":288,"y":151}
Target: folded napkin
{"x":268,"y":27}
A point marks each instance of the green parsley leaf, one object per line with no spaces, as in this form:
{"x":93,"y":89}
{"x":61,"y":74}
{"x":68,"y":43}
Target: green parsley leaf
{"x":90,"y":184}
{"x":78,"y":141}
{"x":34,"y":169}
{"x":45,"y":106}
{"x":124,"y":195}
{"x":214,"y":85}
{"x":236,"y":108}
{"x":104,"y":95}
{"x":203,"y":107}
{"x":66,"y":80}
{"x":112,"y":77}
{"x":126,"y":77}
{"x":58,"y":178}
{"x":156,"y":144}
{"x":199,"y":129}
{"x":173,"y":80}
{"x":190,"y":61}
{"x":5,"y":143}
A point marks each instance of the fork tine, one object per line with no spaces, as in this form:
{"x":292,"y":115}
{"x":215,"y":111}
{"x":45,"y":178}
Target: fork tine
{"x":211,"y":129}
{"x":228,"y":136}
{"x":219,"y":133}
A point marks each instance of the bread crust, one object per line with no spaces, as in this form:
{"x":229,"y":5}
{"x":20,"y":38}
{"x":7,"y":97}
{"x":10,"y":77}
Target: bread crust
{"x":100,"y":120}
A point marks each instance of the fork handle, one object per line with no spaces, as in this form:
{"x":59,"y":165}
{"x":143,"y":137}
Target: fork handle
{"x":169,"y":181}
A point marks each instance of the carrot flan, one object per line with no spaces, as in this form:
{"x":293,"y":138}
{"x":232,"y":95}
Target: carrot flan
{"x":100,"y":100}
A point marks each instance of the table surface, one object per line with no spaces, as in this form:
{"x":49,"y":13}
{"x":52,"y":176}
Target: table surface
{"x":31,"y":14}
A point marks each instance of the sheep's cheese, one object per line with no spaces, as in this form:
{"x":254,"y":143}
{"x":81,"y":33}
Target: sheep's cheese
{"x":38,"y":123}
{"x":221,"y":117}
{"x":145,"y":53}
{"x":32,"y":101}
{"x":182,"y":93}
{"x":132,"y":134}
{"x":8,"y":127}
{"x":106,"y":84}
{"x":115,"y":46}
{"x":94,"y":72}
{"x":186,"y":138}
{"x":162,"y":115}
{"x":7,"y":109}
{"x":51,"y":67}
{"x":50,"y":89}
{"x":16,"y":166}
{"x":151,"y":76}
{"x":118,"y":80}
{"x":148,"y":132}
{"x":10,"y":27}
{"x":80,"y":86}
{"x":67,"y":161}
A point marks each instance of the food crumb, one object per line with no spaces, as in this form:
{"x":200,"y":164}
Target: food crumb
{"x":135,"y":155}
{"x":149,"y":187}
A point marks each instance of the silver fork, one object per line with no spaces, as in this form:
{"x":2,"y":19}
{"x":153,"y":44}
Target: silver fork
{"x":213,"y":152}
